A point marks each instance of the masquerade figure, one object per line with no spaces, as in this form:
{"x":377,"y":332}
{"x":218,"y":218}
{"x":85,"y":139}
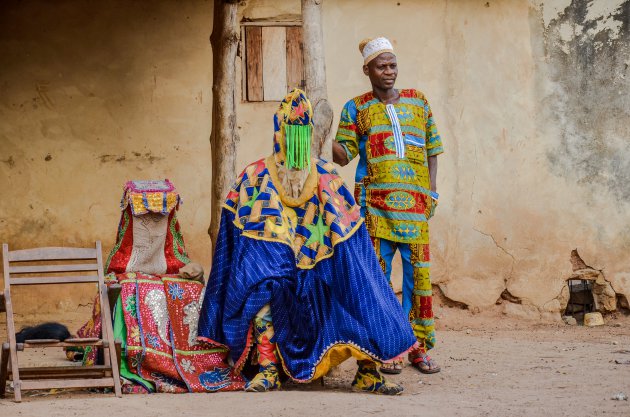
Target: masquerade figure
{"x":394,"y":134}
{"x":295,"y":284}
{"x":157,"y":313}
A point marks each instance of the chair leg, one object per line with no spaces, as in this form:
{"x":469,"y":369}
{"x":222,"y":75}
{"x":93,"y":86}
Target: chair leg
{"x":15,"y":368}
{"x":4,"y":369}
{"x":115,"y":372}
{"x":15,"y":376}
{"x":108,"y":334}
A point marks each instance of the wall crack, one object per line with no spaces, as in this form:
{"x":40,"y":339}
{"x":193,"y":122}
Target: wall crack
{"x":495,"y":243}
{"x":502,"y":250}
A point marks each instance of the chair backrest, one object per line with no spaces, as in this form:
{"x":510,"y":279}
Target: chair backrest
{"x":44,"y":263}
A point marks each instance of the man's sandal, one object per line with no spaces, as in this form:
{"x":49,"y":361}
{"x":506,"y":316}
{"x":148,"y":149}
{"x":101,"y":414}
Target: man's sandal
{"x":423,"y":363}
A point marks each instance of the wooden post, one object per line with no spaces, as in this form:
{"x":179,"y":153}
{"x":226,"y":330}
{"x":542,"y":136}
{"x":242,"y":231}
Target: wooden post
{"x":315,"y":71}
{"x":223,"y":139}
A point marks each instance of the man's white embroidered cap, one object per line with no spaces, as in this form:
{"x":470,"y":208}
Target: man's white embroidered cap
{"x":371,"y":48}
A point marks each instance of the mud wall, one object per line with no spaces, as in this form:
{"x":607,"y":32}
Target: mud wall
{"x":92,"y":95}
{"x":531,"y":98}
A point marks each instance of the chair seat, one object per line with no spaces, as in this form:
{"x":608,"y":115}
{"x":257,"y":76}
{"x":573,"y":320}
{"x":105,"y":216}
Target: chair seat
{"x":73,"y":340}
{"x":40,"y":343}
{"x":84,"y":340}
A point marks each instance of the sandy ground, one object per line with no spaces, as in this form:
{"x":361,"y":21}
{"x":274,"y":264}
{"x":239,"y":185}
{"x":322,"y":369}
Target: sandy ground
{"x":491,"y":366}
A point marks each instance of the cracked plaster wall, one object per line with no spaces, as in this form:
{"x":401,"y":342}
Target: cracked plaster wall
{"x":555,"y":166}
{"x":92,"y":95}
{"x":536,"y":129}
{"x":583,"y":83}
{"x":530,"y":96}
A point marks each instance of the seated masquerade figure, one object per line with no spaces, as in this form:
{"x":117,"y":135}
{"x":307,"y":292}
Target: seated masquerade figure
{"x":157,"y":312}
{"x":294,"y":272}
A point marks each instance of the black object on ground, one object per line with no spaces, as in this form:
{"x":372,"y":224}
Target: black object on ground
{"x":50,"y":330}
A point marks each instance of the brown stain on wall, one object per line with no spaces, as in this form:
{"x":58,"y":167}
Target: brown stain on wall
{"x":133,"y":158}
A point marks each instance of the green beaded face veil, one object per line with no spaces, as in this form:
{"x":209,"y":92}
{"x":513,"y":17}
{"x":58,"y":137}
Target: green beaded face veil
{"x":298,"y":146}
{"x":293,"y":126}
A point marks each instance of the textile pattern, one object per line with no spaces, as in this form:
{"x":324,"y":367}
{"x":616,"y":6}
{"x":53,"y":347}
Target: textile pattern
{"x":174,"y":250}
{"x":155,"y":197}
{"x":395,"y":191}
{"x":152,"y":196}
{"x":417,"y":290}
{"x":324,"y":312}
{"x":161,"y":315}
{"x":295,"y":109}
{"x":312,"y":228}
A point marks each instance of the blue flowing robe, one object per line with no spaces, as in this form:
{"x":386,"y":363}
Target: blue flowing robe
{"x":328,"y":296}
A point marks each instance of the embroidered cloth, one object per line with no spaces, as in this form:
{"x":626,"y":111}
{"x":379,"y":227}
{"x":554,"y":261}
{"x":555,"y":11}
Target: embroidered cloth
{"x":312,"y":261}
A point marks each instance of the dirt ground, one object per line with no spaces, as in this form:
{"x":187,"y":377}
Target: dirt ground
{"x":491,"y":366}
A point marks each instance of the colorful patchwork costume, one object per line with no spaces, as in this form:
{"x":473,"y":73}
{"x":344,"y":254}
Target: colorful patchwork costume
{"x":393,"y":189}
{"x":157,"y":314}
{"x":297,"y":277}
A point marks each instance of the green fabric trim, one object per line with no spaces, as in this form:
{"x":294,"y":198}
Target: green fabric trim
{"x":178,"y":243}
{"x":120,"y":332}
{"x":435,"y":151}
{"x":298,"y":139}
{"x":177,"y":351}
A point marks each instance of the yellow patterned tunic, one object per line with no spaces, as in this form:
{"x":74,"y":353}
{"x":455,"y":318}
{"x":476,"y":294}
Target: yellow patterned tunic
{"x":392,"y":184}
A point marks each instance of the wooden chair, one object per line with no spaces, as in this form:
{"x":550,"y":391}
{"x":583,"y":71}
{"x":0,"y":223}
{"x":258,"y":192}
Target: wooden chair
{"x":50,"y":271}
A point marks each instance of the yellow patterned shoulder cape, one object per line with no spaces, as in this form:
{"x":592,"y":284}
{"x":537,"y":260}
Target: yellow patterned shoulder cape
{"x":312,"y":224}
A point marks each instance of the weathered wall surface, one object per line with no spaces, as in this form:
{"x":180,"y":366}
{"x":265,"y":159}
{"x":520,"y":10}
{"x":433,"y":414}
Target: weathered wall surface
{"x":585,"y":95}
{"x":92,"y":95}
{"x":531,"y":99}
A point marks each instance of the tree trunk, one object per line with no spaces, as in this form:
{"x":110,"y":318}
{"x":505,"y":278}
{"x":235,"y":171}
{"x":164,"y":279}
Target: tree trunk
{"x":223,"y":139}
{"x":315,"y":71}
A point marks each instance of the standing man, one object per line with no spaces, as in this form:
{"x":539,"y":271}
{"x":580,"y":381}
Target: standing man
{"x":394,"y":134}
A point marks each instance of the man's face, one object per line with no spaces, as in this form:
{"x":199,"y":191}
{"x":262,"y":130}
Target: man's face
{"x":382,"y":71}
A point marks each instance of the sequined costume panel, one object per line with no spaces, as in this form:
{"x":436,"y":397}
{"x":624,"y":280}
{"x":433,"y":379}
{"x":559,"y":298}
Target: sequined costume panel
{"x":161,"y":316}
{"x":149,"y":249}
{"x":149,"y":207}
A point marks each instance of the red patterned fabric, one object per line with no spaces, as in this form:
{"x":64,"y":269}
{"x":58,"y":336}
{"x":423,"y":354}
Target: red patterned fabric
{"x":161,"y":315}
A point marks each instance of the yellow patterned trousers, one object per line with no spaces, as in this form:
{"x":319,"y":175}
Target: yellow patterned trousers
{"x":417,"y":292}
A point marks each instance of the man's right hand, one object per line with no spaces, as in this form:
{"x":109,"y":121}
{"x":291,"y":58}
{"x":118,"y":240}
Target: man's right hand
{"x":339,"y":154}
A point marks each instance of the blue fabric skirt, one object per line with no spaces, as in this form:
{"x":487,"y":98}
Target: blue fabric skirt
{"x":344,"y":303}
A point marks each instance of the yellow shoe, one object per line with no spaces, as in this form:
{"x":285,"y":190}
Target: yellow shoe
{"x":369,"y":380}
{"x":265,"y":380}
